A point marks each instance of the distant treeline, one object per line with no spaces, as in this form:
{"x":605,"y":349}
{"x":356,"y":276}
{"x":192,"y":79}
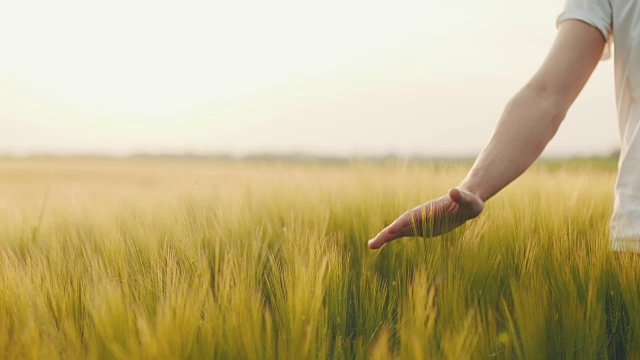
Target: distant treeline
{"x":550,"y":163}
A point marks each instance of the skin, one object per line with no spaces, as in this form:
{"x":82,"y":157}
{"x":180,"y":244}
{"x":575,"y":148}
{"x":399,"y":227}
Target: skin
{"x":529,"y":121}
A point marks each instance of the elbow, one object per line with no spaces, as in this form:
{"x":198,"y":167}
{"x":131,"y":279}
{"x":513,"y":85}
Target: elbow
{"x":551,"y":106}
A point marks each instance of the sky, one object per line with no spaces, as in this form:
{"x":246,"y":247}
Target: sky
{"x":343,"y":78}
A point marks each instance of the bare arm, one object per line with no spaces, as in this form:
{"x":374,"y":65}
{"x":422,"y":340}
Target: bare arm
{"x":534,"y":114}
{"x":528,"y":123}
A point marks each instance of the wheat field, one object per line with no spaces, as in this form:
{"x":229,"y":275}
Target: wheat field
{"x":168,"y":259}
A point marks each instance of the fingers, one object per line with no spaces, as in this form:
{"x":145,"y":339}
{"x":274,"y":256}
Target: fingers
{"x":386,"y":236}
{"x":442,"y":215}
{"x":400,"y":223}
{"x":382,"y":238}
{"x":401,"y":227}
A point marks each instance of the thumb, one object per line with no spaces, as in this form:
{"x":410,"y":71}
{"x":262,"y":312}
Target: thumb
{"x":467,"y":200}
{"x":460,"y":197}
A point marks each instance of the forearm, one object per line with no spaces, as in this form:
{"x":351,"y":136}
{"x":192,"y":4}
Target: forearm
{"x":528,"y":123}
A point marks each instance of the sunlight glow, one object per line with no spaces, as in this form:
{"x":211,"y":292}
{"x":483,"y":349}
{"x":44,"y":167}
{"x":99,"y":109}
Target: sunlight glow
{"x":243,"y":76}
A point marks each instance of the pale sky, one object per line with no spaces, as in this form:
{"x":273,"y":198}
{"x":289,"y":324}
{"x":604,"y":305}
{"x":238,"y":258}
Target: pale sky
{"x":332,"y":78}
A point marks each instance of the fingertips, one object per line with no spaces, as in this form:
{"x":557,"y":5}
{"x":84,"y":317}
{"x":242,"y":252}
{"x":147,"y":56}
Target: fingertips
{"x":376,"y":243}
{"x":382,"y":238}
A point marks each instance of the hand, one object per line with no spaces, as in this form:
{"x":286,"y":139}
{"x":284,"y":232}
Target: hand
{"x":433,"y":218}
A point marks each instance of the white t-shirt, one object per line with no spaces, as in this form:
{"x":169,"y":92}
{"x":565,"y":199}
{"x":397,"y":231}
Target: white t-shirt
{"x":620,"y":20}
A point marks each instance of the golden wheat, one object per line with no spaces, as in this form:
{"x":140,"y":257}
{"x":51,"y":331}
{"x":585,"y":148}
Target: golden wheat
{"x":160,"y":259}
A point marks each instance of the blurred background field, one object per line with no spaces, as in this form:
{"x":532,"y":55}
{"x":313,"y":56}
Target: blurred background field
{"x":267,"y":258}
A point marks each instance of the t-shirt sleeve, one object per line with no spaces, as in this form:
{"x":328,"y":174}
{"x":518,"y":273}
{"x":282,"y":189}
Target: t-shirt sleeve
{"x":597,"y":13}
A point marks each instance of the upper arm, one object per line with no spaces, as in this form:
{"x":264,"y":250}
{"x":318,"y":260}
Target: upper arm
{"x":573,"y":57}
